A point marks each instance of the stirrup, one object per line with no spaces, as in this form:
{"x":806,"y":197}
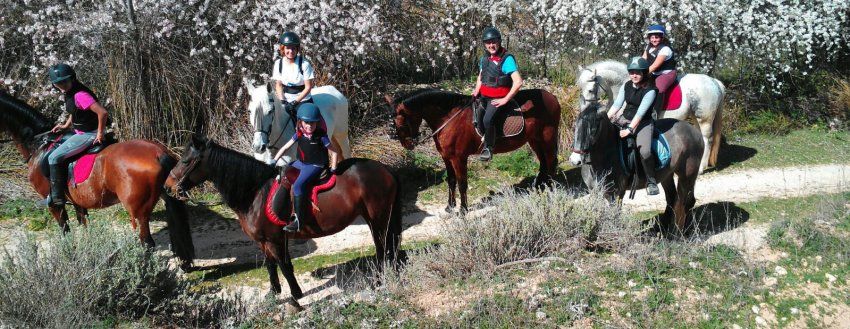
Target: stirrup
{"x":652,"y":189}
{"x":486,"y":155}
{"x":44,"y":203}
{"x":293,"y":227}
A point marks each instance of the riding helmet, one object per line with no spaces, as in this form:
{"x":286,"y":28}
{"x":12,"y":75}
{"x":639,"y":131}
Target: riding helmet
{"x":491,"y":33}
{"x":309,"y":112}
{"x":61,"y":72}
{"x":655,"y":29}
{"x":638,"y":63}
{"x":289,"y":38}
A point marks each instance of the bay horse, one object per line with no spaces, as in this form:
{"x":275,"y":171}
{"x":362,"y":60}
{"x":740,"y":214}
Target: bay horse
{"x":596,"y":147}
{"x":449,"y":115}
{"x":701,"y":97}
{"x":363,"y":188}
{"x":130,"y":173}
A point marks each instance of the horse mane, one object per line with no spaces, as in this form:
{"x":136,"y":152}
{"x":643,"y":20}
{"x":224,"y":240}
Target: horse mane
{"x":421,"y":97}
{"x":237,"y":176}
{"x":27,"y":121}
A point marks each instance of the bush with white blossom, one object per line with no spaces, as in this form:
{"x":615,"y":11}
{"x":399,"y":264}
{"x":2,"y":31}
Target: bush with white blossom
{"x":184,"y":61}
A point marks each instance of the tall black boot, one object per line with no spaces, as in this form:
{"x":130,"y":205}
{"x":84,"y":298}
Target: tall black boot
{"x":489,"y":140}
{"x":58,"y":182}
{"x":649,"y":170}
{"x":301,"y":208}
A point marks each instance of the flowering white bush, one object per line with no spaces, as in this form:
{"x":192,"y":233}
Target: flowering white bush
{"x":195,"y":53}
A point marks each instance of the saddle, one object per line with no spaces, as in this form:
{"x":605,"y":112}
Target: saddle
{"x":630,"y":158}
{"x":508,"y":123}
{"x":672,"y":100}
{"x":279,"y":208}
{"x":80,"y":165}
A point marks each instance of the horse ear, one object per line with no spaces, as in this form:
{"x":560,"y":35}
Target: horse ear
{"x":580,"y":68}
{"x":199,"y":141}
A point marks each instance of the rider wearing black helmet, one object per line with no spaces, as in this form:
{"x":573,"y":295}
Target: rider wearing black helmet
{"x":292,"y":73}
{"x":88,"y":119}
{"x":498,"y":82}
{"x":632,"y":110}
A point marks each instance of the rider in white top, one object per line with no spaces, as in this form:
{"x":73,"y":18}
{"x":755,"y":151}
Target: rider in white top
{"x":293,"y":74}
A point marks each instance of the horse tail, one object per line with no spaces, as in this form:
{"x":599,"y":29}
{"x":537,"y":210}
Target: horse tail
{"x":394,"y":227}
{"x":717,"y":126}
{"x":178,"y":217}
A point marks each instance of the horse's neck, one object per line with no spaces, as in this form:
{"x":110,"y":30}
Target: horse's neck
{"x":237,"y":178}
{"x":436,"y":116}
{"x":603,"y":153}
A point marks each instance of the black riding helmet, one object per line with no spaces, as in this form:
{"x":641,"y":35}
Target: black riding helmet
{"x":491,"y":33}
{"x":289,"y":38}
{"x":61,"y":72}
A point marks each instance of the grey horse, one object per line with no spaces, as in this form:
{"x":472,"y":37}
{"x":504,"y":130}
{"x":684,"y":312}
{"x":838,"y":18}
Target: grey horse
{"x":596,"y":141}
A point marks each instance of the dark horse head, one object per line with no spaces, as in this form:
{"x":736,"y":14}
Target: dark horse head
{"x":409,"y":110}
{"x":238,"y":176}
{"x":20,"y":120}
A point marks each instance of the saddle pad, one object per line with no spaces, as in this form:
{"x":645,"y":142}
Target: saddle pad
{"x":512,"y":123}
{"x":324,"y":185}
{"x":674,"y":98}
{"x":660,"y":148}
{"x":81,"y":169}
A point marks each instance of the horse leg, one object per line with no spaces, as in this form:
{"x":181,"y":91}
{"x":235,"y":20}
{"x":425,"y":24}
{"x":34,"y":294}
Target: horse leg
{"x":669,"y":187}
{"x":281,"y":253}
{"x":82,"y":214}
{"x":460,"y":167}
{"x":451,"y":179}
{"x":271,"y":267}
{"x":547,"y":160}
{"x":706,"y":128}
{"x":685,"y":200}
{"x":61,"y":216}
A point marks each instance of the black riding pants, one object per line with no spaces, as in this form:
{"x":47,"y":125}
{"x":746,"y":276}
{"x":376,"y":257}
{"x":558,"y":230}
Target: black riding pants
{"x":489,"y":121}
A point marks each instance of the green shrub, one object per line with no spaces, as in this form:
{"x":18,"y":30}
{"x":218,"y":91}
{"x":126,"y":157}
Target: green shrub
{"x":522,"y":225}
{"x":95,"y":274}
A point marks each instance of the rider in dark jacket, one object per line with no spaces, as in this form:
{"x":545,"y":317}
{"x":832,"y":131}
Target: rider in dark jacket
{"x":632,"y":109}
{"x":498,"y":82}
{"x":315,"y":153}
{"x":88,"y":119}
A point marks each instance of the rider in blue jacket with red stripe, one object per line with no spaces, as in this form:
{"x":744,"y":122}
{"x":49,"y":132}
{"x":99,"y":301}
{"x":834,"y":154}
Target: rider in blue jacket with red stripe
{"x":498,"y":82}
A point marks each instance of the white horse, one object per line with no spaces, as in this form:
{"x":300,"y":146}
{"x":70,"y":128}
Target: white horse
{"x":273,"y":126}
{"x":702,"y":97}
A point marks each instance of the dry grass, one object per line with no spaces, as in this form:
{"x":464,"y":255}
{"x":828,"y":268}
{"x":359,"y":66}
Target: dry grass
{"x":839,"y":103}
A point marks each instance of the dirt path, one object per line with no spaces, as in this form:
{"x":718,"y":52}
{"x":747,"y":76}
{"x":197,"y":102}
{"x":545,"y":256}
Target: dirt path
{"x":222,"y":241}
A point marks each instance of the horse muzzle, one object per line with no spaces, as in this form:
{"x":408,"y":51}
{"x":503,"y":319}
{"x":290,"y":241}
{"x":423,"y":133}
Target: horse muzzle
{"x":575,"y":159}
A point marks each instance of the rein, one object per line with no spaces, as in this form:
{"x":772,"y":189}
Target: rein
{"x":437,"y":131}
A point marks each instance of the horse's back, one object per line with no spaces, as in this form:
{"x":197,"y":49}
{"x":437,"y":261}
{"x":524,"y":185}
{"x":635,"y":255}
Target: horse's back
{"x":681,"y":136}
{"x":333,"y":106}
{"x":542,"y":100}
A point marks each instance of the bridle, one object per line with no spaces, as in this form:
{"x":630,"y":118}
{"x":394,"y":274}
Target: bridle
{"x":595,"y":91}
{"x":189,"y":169}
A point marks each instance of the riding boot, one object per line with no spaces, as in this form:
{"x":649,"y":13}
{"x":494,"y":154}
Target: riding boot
{"x":489,"y":140}
{"x":649,"y":171}
{"x":301,"y":208}
{"x":58,"y":181}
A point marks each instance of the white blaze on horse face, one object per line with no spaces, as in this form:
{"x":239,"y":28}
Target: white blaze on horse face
{"x":575,"y":159}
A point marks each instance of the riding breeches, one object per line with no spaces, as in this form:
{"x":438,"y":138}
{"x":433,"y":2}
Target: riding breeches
{"x":72,"y":145}
{"x":308,"y":174}
{"x":489,"y":120}
{"x":665,"y":81}
{"x":643,"y":139}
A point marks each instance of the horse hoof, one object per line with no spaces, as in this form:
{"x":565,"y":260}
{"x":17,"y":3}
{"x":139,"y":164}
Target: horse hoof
{"x":292,"y":307}
{"x":449,"y":209}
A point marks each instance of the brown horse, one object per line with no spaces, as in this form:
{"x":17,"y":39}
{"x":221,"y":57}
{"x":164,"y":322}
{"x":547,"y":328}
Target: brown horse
{"x":449,"y":115}
{"x":363,"y":188}
{"x":130,"y":172}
